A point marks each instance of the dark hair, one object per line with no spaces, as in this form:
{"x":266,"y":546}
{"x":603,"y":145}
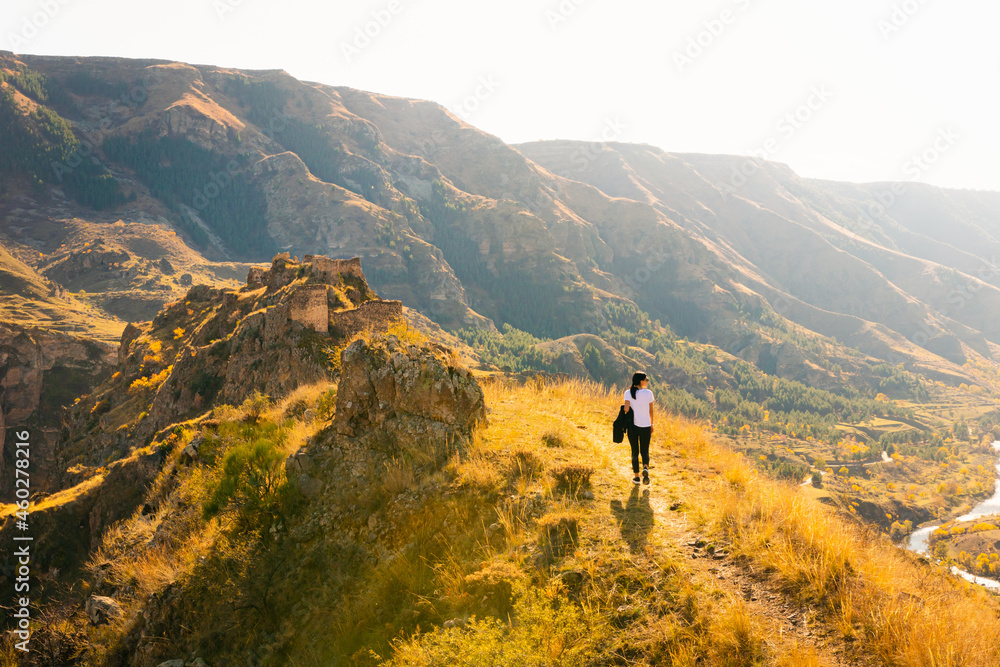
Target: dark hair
{"x":636,"y":379}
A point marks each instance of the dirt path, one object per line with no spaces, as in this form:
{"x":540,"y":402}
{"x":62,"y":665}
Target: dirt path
{"x":655,"y":518}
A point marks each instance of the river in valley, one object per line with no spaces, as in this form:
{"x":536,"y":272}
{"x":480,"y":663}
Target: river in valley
{"x":918,"y":540}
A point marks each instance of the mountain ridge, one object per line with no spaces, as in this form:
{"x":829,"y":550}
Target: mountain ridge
{"x":569,"y":222}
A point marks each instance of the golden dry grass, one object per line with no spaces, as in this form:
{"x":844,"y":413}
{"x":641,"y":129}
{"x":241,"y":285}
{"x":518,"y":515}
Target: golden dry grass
{"x":131,"y":558}
{"x":907,"y":612}
{"x":636,"y":585}
{"x":894,"y":607}
{"x":144,"y":554}
{"x":305,"y":396}
{"x":397,"y":478}
{"x":89,"y":485}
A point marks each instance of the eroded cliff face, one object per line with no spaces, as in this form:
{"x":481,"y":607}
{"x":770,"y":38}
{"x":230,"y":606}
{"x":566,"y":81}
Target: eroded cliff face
{"x":42,"y":373}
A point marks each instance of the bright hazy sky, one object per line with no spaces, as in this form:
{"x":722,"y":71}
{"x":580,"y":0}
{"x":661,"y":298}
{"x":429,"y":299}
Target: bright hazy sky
{"x":850,"y":90}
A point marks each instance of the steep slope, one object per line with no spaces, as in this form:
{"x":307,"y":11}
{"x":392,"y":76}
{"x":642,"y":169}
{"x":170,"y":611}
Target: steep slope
{"x":17,"y":278}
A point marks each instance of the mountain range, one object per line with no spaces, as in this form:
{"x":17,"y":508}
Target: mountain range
{"x":196,"y":169}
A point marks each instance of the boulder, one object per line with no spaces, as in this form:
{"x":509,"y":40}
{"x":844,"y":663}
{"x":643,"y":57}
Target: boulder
{"x":129,"y":335}
{"x":190,"y":453}
{"x":297,"y":463}
{"x":309,"y":486}
{"x":101,"y":610}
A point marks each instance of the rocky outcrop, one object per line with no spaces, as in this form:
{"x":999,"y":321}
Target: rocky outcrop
{"x":221,"y":345}
{"x":41,"y":373}
{"x":87,"y":265}
{"x":399,"y":403}
{"x":101,"y":610}
{"x":396,"y":402}
{"x":393,"y":399}
{"x":416,"y":385}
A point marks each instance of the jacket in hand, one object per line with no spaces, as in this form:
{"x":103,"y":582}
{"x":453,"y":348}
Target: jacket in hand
{"x":621,"y":424}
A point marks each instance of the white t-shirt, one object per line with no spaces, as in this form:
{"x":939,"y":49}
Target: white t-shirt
{"x":640,"y":405}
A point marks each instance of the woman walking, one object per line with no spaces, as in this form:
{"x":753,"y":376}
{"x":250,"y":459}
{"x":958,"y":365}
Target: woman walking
{"x":639,"y":400}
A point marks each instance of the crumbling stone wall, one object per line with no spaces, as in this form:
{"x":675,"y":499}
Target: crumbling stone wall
{"x":328,"y":270}
{"x":376,"y":315}
{"x":308,"y":306}
{"x":257,"y":277}
{"x":284,"y":269}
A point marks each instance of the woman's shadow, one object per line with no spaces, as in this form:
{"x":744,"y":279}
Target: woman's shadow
{"x":635,"y":519}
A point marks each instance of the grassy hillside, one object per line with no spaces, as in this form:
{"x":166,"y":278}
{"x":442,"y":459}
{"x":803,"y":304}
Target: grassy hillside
{"x":28,"y":299}
{"x":530,"y":545}
{"x":17,"y":278}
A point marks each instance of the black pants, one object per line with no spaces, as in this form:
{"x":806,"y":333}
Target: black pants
{"x":638,"y":438}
